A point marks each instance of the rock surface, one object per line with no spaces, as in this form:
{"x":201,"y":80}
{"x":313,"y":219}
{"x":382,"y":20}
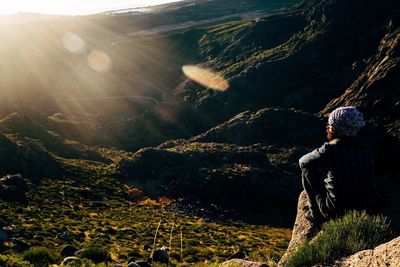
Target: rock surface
{"x":374,"y":92}
{"x":160,"y":256}
{"x":70,"y":259}
{"x":242,"y":263}
{"x":387,"y":254}
{"x":301,"y":228}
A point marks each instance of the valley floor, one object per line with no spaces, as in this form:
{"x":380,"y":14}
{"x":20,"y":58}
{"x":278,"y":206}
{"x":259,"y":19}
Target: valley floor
{"x":99,"y":211}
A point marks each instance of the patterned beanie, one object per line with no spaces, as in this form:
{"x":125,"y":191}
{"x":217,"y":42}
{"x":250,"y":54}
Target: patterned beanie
{"x":346,"y":120}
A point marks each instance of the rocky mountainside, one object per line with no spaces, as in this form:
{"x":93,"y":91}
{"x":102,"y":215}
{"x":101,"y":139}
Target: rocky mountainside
{"x":321,"y":49}
{"x":195,"y":151}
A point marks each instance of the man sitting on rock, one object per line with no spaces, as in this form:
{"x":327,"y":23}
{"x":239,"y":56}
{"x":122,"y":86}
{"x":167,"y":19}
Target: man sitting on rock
{"x":339,"y":176}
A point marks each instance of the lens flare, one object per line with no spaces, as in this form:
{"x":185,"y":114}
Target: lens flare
{"x":74,"y":43}
{"x":206,"y":77}
{"x":99,"y":61}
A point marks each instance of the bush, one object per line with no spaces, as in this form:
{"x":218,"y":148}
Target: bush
{"x":354,"y":232}
{"x":40,"y":257}
{"x":12,"y":261}
{"x":95,"y":254}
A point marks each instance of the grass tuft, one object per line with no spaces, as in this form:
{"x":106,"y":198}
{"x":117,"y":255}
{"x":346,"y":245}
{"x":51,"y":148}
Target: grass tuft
{"x":354,"y":232}
{"x":40,"y":257}
{"x":95,"y":254}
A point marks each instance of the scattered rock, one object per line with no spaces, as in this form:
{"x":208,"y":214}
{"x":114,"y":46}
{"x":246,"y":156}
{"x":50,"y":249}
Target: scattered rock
{"x":68,"y":250}
{"x":78,"y":252}
{"x":242,"y":263}
{"x":160,"y":256}
{"x":64,"y":237}
{"x":238,"y":255}
{"x":69,"y":260}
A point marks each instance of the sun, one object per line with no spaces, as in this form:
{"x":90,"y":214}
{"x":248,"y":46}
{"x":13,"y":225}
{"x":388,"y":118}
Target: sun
{"x":38,"y":6}
{"x":61,"y":7}
{"x":71,"y":7}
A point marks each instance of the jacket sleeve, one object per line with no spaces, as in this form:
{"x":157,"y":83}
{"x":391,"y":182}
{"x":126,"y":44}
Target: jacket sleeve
{"x":314,"y":159}
{"x":314,"y":170}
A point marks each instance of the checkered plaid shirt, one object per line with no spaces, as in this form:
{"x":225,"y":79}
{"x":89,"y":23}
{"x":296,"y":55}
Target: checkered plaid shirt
{"x":347,"y":174}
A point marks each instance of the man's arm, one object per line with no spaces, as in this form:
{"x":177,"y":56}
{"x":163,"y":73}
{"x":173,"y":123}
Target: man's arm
{"x":316,"y":158}
{"x":314,"y":171}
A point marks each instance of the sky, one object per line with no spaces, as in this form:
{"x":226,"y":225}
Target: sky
{"x":72,"y":7}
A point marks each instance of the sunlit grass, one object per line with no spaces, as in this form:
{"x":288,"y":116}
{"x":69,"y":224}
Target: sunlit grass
{"x":124,"y":228}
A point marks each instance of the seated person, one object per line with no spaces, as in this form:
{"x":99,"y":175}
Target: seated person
{"x":339,"y":176}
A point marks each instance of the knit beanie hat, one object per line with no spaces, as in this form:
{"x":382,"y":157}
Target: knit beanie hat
{"x":346,"y":120}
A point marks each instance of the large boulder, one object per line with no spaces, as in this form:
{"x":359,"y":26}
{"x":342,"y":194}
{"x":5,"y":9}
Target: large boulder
{"x":301,"y":229}
{"x":387,"y":254}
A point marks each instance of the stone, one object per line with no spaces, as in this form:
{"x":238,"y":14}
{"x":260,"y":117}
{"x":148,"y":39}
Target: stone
{"x":387,"y":254}
{"x":160,"y":256}
{"x":68,"y":251}
{"x":301,"y":229}
{"x":64,"y":236}
{"x":242,"y":263}
{"x":238,"y":255}
{"x":69,"y":260}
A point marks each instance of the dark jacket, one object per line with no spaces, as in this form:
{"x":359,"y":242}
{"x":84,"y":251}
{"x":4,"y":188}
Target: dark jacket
{"x":343,"y":171}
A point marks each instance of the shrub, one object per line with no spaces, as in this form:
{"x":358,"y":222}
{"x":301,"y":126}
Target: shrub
{"x":95,"y":254}
{"x":40,"y":257}
{"x":12,"y":261}
{"x":354,"y":232}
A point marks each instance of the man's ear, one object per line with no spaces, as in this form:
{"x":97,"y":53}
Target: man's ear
{"x":331,"y":129}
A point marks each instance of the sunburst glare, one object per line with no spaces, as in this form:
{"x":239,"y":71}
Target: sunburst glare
{"x":74,"y":43}
{"x":206,"y":77}
{"x":99,"y":61}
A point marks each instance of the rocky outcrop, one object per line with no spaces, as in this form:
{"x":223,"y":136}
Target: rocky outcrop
{"x":387,"y":254}
{"x":19,"y":154}
{"x":301,"y":229}
{"x":275,"y":126}
{"x":375,"y":91}
{"x":232,"y":176}
{"x":311,"y":62}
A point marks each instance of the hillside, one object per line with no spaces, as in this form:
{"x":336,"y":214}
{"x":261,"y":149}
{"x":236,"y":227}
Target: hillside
{"x":113,"y":141}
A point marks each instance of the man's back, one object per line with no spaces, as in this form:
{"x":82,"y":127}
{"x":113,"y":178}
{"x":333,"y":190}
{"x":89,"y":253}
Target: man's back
{"x":350,"y":180}
{"x":339,"y":176}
